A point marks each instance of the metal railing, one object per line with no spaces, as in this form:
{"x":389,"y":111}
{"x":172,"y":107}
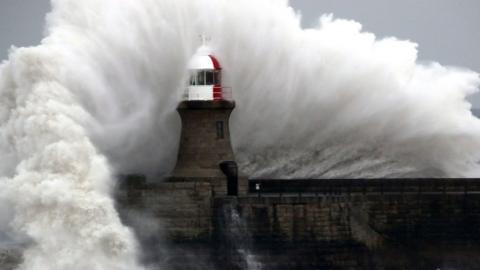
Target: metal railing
{"x":362,"y":186}
{"x":219,"y":93}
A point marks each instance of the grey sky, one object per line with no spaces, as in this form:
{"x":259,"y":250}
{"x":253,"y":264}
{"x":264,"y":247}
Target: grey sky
{"x":447,"y":30}
{"x":21,"y":23}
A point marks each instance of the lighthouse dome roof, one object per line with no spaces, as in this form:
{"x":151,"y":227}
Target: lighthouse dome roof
{"x":204,"y":59}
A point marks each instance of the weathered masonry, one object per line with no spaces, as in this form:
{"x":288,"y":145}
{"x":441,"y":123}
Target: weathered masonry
{"x":211,"y":217}
{"x":208,"y":210}
{"x":356,"y":224}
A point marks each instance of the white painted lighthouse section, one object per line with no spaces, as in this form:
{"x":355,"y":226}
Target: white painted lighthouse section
{"x":200,"y":92}
{"x":201,"y":62}
{"x":205,"y":76}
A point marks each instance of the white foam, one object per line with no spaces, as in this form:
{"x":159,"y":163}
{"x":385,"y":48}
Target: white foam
{"x":326,"y":102}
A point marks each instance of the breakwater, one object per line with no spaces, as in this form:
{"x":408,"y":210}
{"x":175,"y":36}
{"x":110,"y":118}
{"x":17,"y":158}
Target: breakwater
{"x":315,"y":224}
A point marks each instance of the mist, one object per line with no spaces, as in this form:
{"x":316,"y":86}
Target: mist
{"x":98,"y":96}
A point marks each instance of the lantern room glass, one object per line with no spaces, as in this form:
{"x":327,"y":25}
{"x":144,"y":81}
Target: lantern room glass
{"x":206,"y":77}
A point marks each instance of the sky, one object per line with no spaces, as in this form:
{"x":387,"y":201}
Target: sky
{"x":447,"y":31}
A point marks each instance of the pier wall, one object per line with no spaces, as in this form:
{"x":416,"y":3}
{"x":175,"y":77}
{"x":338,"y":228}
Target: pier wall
{"x":344,"y":227}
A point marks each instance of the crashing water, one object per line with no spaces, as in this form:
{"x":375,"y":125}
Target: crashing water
{"x":57,"y":184}
{"x":98,"y":97}
{"x":239,"y":239}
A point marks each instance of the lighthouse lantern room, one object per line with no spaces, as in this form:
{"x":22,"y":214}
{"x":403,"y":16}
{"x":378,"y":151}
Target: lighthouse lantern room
{"x":205,"y":82}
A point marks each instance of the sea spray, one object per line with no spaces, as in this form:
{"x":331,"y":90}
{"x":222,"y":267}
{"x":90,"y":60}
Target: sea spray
{"x":237,"y":238}
{"x":102,"y":88}
{"x":60,"y":188}
{"x":332,"y":101}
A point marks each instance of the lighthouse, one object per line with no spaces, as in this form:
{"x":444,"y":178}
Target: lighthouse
{"x":205,"y":152}
{"x":205,"y":82}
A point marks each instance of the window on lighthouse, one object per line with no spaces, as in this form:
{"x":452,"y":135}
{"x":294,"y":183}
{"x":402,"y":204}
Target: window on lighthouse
{"x":193,"y":79}
{"x":209,"y":78}
{"x":205,"y":77}
{"x":217,"y":77}
{"x":201,"y":77}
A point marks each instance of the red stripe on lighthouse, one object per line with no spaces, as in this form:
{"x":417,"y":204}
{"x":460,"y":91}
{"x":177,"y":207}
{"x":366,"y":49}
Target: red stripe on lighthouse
{"x":216,"y":64}
{"x":217,"y":92}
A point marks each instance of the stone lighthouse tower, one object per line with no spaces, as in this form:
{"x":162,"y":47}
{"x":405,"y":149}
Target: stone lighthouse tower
{"x":205,"y":173}
{"x":205,"y":153}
